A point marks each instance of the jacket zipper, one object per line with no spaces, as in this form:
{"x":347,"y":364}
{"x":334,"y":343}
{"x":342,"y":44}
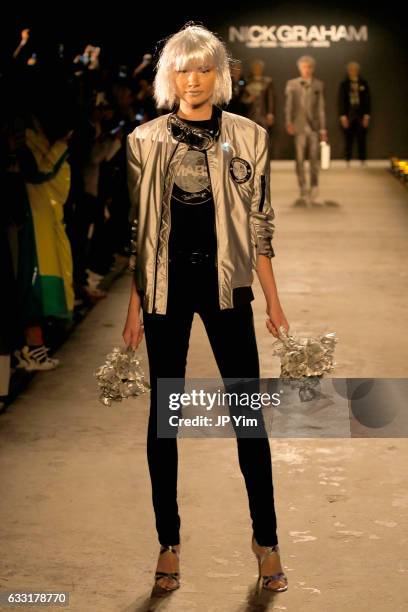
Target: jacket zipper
{"x":260,"y":208}
{"x":262,"y":200}
{"x":215,"y":228}
{"x":160,"y":224}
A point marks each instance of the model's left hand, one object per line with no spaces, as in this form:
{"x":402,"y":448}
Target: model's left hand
{"x":276,"y":318}
{"x":324,"y":136}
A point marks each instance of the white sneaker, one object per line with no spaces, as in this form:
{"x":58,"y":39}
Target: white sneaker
{"x":93,"y":279}
{"x":35,"y":359}
{"x":94,"y":275}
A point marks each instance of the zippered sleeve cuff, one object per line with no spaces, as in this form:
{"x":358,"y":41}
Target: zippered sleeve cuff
{"x":262,"y":214}
{"x":133,"y":183}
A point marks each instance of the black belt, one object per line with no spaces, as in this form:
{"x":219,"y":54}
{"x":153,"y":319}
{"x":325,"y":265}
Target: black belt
{"x":196,"y":256}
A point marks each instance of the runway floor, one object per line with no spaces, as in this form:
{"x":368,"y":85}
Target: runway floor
{"x":76,"y":510}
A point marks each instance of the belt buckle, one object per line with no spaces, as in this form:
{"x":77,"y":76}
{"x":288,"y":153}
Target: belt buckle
{"x":198,"y":257}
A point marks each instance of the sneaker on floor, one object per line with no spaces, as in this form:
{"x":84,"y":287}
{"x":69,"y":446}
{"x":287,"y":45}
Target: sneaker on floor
{"x":93,"y":280}
{"x":35,"y":358}
{"x":92,"y":284}
{"x":94,"y":293}
{"x":93,"y":275}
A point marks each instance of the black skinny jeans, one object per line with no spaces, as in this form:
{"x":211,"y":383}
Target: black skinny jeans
{"x":194,"y":288}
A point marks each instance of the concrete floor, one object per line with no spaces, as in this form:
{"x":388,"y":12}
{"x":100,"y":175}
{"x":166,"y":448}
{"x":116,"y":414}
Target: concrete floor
{"x":76,"y":511}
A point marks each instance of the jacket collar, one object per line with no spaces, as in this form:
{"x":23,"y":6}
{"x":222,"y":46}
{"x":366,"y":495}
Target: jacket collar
{"x":301,"y":80}
{"x":216,"y":114}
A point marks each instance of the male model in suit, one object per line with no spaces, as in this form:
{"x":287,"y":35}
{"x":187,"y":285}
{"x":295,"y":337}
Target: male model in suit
{"x":306,"y":120}
{"x":354,"y":111}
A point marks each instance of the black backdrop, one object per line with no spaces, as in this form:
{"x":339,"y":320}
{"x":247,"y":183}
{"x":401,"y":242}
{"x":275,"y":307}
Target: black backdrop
{"x":383,"y":59}
{"x":127,"y":31}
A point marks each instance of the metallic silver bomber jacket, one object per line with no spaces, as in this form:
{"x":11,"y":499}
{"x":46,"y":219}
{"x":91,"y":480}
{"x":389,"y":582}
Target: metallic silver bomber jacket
{"x":239,"y":169}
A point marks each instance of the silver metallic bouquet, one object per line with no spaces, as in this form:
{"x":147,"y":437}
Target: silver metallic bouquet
{"x":304,"y":361}
{"x":302,"y":357}
{"x":121,"y":376}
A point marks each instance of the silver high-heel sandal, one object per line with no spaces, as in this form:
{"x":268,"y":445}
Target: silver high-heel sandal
{"x":175,"y":576}
{"x":266,"y":579}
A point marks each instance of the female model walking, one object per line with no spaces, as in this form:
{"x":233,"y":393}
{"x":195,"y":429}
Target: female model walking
{"x":202,"y":223}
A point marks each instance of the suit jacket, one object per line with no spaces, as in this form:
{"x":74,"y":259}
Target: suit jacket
{"x":345,"y":108}
{"x":307,"y":110}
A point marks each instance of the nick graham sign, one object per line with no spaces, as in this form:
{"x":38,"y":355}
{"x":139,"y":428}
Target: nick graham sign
{"x":296,"y":35}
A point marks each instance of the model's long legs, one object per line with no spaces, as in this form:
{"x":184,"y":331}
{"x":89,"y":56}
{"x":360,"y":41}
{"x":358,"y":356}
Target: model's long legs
{"x":167,"y":340}
{"x":232,"y":336}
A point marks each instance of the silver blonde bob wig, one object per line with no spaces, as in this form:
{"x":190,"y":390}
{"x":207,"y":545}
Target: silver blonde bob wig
{"x":192,"y":43}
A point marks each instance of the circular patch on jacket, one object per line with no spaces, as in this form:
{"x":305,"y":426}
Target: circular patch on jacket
{"x":240,"y":170}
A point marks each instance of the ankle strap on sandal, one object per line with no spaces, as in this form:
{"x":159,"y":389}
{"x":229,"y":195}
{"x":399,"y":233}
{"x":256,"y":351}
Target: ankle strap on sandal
{"x":269,"y":550}
{"x":164,"y":547}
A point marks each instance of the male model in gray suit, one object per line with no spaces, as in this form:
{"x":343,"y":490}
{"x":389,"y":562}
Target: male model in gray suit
{"x":306,"y":121}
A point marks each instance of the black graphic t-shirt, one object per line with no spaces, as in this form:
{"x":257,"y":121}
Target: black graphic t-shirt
{"x":192,"y":204}
{"x":192,"y":208}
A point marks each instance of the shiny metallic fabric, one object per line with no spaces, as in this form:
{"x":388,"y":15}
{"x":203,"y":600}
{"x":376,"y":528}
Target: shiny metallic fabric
{"x":239,"y":169}
{"x":121,"y":376}
{"x":302,"y":358}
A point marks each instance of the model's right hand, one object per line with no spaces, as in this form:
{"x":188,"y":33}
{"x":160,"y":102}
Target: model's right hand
{"x":134,"y":329}
{"x":290,"y":128}
{"x":276,"y":318}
